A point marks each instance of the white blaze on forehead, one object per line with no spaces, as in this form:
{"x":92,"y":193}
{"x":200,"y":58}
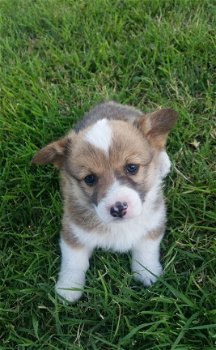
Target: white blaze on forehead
{"x":100,"y":135}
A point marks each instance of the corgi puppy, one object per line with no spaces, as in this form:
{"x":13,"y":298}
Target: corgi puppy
{"x":112,"y":165}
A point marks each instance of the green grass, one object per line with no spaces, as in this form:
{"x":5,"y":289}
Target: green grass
{"x":59,"y":58}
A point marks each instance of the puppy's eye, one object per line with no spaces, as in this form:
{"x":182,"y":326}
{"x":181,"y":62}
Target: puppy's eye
{"x":131,"y":169}
{"x":90,"y":180}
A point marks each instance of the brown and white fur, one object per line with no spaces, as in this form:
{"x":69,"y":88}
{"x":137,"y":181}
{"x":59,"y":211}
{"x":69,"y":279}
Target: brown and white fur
{"x":110,"y":141}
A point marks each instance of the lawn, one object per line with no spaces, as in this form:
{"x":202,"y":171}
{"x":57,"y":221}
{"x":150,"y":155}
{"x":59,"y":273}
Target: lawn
{"x":59,"y":58}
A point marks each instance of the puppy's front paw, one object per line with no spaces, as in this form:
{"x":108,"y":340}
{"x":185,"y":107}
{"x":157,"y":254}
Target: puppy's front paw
{"x":149,"y":275}
{"x":68,"y":291}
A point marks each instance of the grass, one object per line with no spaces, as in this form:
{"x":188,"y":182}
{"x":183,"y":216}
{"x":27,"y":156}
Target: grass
{"x":59,"y":58}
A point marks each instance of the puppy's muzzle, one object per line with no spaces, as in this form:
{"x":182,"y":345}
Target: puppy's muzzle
{"x":119,"y":210}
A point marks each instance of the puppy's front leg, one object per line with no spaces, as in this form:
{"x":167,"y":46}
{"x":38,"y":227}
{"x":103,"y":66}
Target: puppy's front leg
{"x":145,"y":258}
{"x":74,"y":264}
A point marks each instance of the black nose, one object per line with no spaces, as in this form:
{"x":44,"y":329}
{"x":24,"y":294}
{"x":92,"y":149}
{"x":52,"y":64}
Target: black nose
{"x":119,"y":210}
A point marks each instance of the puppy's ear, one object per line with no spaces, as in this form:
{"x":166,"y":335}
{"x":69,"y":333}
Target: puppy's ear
{"x":53,"y":153}
{"x":157,"y":125}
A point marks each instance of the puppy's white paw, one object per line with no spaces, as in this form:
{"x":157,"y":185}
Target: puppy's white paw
{"x":148,"y":276}
{"x":68,"y":291}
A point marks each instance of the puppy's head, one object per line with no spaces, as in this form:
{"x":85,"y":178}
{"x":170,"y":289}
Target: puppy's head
{"x":110,"y":166}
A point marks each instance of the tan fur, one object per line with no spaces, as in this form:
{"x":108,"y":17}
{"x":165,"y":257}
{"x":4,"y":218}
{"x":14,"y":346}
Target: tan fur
{"x":52,"y":153}
{"x":157,"y":125}
{"x":79,"y":159}
{"x":138,"y":142}
{"x":76,"y":205}
{"x":86,"y":159}
{"x":69,"y":238}
{"x":155,"y":234}
{"x":154,"y":127}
